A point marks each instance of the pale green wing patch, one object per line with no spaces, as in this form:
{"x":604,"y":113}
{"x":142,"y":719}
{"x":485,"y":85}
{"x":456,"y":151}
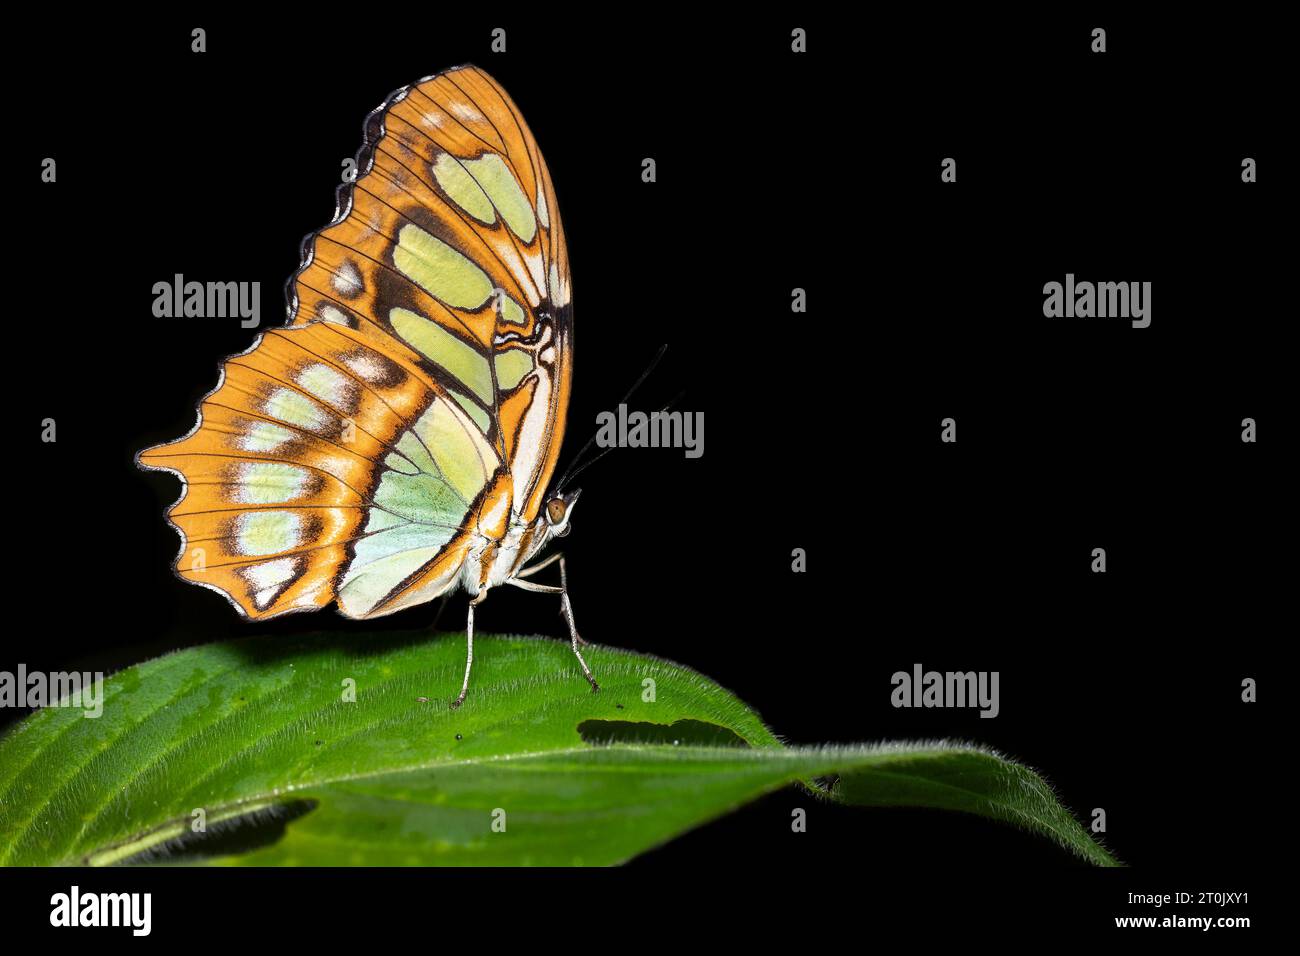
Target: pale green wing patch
{"x":384,"y":560}
{"x":440,"y":466}
{"x":462,"y":189}
{"x":512,"y":311}
{"x":460,"y":359}
{"x":460,"y":451}
{"x":268,"y":482}
{"x":440,"y":270}
{"x":478,"y":186}
{"x":492,"y":173}
{"x":479,"y":417}
{"x":268,"y":532}
{"x":512,"y":365}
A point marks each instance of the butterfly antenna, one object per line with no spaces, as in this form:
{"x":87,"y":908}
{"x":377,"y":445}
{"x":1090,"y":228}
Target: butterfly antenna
{"x":571,"y":472}
{"x":606,"y":451}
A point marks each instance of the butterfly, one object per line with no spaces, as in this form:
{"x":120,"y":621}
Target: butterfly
{"x":396,"y":438}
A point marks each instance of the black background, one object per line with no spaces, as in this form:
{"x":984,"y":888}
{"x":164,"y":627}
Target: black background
{"x":822,"y":430}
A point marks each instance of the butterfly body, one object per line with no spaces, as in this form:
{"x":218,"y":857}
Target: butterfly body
{"x":497,"y":553}
{"x":395,"y":439}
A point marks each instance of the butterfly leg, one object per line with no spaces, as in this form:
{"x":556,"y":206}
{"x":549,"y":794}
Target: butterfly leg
{"x":564,"y":583}
{"x":469,"y":648}
{"x":567,"y":610}
{"x":529,"y":572}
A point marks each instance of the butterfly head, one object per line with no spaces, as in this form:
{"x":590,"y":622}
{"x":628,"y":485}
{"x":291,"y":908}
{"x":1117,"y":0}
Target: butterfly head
{"x":558,"y":510}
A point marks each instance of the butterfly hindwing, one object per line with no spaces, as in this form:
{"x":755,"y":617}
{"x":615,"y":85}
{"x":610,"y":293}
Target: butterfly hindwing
{"x":419,"y":387}
{"x":320,"y":461}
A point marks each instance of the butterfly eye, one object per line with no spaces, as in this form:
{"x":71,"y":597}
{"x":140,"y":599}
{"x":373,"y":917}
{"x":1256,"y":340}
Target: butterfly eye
{"x":556,"y":510}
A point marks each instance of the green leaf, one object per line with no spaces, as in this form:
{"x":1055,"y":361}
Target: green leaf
{"x":261,"y":738}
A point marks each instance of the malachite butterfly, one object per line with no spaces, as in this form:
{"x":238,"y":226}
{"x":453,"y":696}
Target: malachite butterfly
{"x":396,"y":438}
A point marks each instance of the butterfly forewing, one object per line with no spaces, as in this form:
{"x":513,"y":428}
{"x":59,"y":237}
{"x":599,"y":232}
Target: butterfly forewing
{"x":419,"y":388}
